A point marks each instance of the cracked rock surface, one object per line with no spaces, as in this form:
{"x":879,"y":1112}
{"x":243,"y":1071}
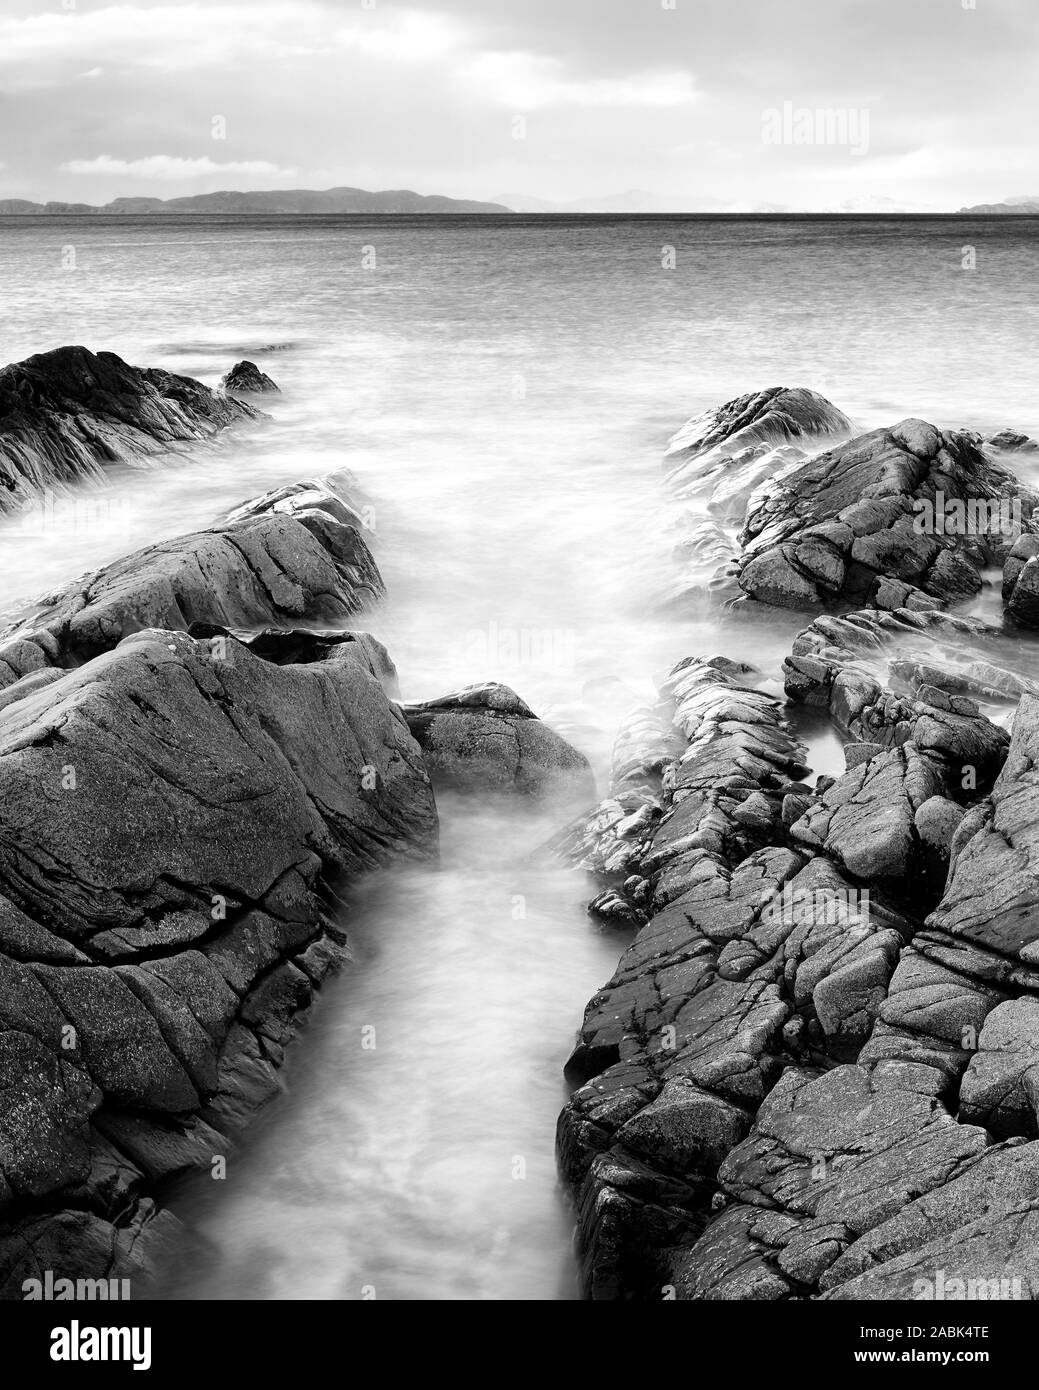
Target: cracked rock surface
{"x":183,"y":812}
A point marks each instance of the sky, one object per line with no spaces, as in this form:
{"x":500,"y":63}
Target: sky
{"x":699,"y":105}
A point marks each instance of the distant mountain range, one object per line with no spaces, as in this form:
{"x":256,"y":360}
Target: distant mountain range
{"x":360,"y":200}
{"x":1023,"y":207}
{"x":274,"y":200}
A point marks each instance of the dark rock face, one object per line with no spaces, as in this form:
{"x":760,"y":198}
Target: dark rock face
{"x":65,"y":414}
{"x":296,"y":555}
{"x":905,"y":517}
{"x":177,"y":826}
{"x":485,"y":738}
{"x":245,"y":378}
{"x":720,"y":456}
{"x":182,"y":814}
{"x":1021,"y":582}
{"x":814,"y":1073}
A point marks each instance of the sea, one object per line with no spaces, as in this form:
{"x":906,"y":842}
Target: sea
{"x":503,"y":390}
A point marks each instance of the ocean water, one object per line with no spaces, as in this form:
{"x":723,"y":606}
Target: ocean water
{"x":503,"y":390}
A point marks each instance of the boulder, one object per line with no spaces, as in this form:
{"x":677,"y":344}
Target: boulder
{"x":245,"y":379}
{"x":177,"y":823}
{"x":484,"y":738}
{"x":66,"y":414}
{"x":298,"y":554}
{"x":719,"y":457}
{"x":906,"y":516}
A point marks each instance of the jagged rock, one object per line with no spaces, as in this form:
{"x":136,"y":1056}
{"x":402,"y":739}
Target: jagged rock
{"x":977,"y":1228}
{"x":181,"y":813}
{"x":65,"y":414}
{"x":605,"y":840}
{"x":708,"y":558}
{"x":202,"y":811}
{"x":867,"y":819}
{"x":992,"y":896}
{"x":485,"y":738}
{"x":841,"y":664}
{"x":754,"y":949}
{"x":897,"y":517}
{"x":245,"y":378}
{"x":299,"y":557}
{"x":722,"y":455}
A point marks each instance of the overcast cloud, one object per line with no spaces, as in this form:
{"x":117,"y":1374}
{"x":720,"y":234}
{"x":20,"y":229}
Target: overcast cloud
{"x":557,"y":99}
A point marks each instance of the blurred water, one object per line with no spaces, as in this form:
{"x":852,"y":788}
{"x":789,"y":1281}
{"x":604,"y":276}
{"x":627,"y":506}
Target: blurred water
{"x":503,"y":389}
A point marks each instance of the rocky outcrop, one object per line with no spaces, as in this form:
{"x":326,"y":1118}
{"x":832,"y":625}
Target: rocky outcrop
{"x":906,"y":517}
{"x":297,"y":554}
{"x":66,"y":414}
{"x":245,"y":378}
{"x":814,"y":1072}
{"x":720,"y":456}
{"x":486,"y":739}
{"x":179,"y":822}
{"x":931,"y":678}
{"x":183,"y":814}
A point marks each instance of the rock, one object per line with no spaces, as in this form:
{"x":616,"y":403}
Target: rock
{"x":1021,"y":581}
{"x":245,"y":378}
{"x":182,"y":812}
{"x":744,"y":936}
{"x":857,"y":753}
{"x":1012,"y":442}
{"x":782,"y":988}
{"x":1000,"y":1088}
{"x":867,"y":819}
{"x":274,"y":566}
{"x":707,"y":557}
{"x":907,"y":516}
{"x":685,"y":1127}
{"x":722,"y":455}
{"x":485,"y":738}
{"x":937,"y":821}
{"x":66,"y":414}
{"x":938,"y":672}
{"x":992,"y":896}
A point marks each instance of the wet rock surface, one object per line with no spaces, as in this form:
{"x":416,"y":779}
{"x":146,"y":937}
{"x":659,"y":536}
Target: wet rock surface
{"x":197,"y":761}
{"x":298,"y":554}
{"x":721,"y":455}
{"x":484,"y":738}
{"x":815,"y":1071}
{"x":66,"y":414}
{"x":905,"y":517}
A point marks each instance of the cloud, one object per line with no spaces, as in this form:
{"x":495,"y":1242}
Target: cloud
{"x":528,"y":82}
{"x":170,"y":167}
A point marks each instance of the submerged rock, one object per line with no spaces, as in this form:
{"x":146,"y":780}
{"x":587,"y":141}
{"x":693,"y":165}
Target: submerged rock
{"x":66,"y":414}
{"x":485,"y":738}
{"x":245,"y":378}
